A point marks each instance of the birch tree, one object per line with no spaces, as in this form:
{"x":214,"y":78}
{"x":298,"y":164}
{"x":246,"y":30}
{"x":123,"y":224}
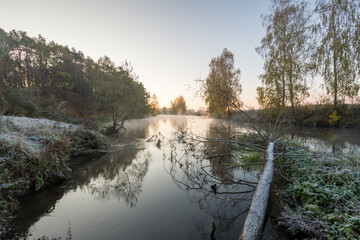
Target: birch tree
{"x":286,"y":49}
{"x":338,"y":40}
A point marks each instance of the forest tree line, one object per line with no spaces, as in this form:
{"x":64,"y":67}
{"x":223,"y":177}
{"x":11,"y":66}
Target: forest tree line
{"x":32,"y":62}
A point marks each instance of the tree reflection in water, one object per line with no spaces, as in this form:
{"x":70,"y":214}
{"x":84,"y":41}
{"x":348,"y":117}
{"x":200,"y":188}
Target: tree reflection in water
{"x":178,"y":123}
{"x":205,"y":170}
{"x":118,"y":175}
{"x":121,"y":177}
{"x":194,"y":165}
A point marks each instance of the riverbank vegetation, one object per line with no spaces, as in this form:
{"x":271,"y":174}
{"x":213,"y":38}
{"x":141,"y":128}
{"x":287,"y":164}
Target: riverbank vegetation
{"x":316,"y":115}
{"x":317,"y":193}
{"x":35,"y":153}
{"x":321,"y":197}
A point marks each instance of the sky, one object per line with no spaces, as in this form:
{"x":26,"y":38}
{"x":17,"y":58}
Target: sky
{"x":169,"y":43}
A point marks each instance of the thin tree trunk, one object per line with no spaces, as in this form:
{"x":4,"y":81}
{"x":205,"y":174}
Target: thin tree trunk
{"x":291,"y":89}
{"x":334,"y":58}
{"x":283,"y":65}
{"x":283,"y":87}
{"x":335,"y":81}
{"x":255,"y":219}
{"x":28,"y":73}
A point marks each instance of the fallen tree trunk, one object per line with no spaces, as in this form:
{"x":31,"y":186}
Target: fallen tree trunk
{"x":255,"y":219}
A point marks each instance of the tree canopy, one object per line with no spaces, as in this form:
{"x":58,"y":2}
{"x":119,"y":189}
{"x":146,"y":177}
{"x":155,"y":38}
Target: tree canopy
{"x":55,"y":69}
{"x":221,"y":90}
{"x":154,"y":105}
{"x":286,"y":49}
{"x":338,"y":46}
{"x":300,"y":43}
{"x":117,"y":90}
{"x":178,"y":106}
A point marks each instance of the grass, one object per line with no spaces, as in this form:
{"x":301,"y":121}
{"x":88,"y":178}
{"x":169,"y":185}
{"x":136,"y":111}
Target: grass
{"x":35,"y":153}
{"x":323,"y":198}
{"x":251,"y":160}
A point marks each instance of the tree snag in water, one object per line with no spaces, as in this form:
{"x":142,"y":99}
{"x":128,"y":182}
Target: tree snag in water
{"x":255,"y":218}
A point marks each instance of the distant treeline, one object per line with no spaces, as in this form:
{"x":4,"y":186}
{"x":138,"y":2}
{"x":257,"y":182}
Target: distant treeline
{"x":27,"y":62}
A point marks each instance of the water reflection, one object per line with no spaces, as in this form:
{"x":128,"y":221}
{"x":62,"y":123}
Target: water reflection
{"x":336,"y":141}
{"x":127,"y":193}
{"x":42,"y":204}
{"x":219,"y":153}
{"x":203,"y":172}
{"x":118,"y":175}
{"x":179,"y":124}
{"x":122,"y":180}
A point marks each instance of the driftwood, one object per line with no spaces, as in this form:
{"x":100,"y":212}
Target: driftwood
{"x":59,"y":110}
{"x":158,"y":144}
{"x":97,"y":152}
{"x":151,"y":138}
{"x":295,"y":223}
{"x":255,"y":219}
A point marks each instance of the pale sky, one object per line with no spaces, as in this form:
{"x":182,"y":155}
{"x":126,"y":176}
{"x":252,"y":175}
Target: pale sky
{"x":169,"y":43}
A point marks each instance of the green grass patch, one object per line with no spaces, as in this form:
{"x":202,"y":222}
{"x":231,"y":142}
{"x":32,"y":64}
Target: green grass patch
{"x":252,"y":160}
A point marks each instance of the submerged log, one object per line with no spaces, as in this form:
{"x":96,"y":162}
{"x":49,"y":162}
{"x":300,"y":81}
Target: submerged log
{"x":80,"y":152}
{"x":255,"y":219}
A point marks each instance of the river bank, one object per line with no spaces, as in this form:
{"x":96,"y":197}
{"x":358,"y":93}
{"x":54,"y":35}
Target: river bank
{"x":122,"y":190}
{"x":310,"y":115}
{"x":36,"y":153}
{"x":159,"y":189}
{"x":319,"y":194}
{"x":316,"y":186}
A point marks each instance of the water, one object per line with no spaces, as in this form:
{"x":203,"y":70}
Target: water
{"x":148,"y":192}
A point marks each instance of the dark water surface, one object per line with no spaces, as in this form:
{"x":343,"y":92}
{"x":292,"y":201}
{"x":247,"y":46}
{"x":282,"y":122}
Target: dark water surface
{"x":145,"y":192}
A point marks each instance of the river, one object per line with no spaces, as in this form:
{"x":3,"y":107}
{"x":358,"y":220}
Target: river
{"x":147,"y":191}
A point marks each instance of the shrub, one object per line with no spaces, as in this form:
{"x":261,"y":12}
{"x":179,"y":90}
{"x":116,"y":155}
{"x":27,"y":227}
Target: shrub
{"x":21,"y":171}
{"x":334,"y":118}
{"x":17,"y":105}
